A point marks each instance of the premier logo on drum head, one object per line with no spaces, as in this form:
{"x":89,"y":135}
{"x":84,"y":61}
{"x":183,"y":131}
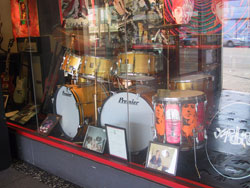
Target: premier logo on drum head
{"x":124,"y":101}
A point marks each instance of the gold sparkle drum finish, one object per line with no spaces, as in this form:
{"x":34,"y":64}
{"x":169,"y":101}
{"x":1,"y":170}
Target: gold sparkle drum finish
{"x":70,"y":63}
{"x":76,"y":105}
{"x":136,"y":66}
{"x":99,"y":65}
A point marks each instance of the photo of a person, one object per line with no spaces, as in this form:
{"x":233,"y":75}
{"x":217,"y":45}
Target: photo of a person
{"x":162,"y":157}
{"x":155,"y":161}
{"x":182,"y":10}
{"x":88,"y":143}
{"x":95,"y":139}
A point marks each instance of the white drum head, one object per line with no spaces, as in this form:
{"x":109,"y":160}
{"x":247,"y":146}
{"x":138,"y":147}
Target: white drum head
{"x":140,"y":131}
{"x":65,"y":104}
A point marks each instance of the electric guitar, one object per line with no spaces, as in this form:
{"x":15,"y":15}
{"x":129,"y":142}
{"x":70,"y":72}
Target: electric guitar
{"x":7,"y":80}
{"x":20,"y":92}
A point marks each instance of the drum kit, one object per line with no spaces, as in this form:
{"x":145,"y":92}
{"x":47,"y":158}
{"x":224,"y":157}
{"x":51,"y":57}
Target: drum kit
{"x":175,"y":115}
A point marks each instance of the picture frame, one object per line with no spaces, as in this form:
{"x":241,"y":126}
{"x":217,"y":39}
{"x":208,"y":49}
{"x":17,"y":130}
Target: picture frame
{"x":162,"y":157}
{"x":95,"y":139}
{"x":5,"y":100}
{"x":117,"y":141}
{"x":28,"y":112}
{"x":48,"y":124}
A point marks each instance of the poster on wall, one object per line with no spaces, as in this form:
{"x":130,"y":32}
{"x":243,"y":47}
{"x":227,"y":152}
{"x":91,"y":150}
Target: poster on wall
{"x":24,"y":17}
{"x":73,"y":13}
{"x":208,"y":16}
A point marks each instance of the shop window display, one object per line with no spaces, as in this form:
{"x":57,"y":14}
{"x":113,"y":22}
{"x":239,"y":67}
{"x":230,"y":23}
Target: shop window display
{"x":150,"y":68}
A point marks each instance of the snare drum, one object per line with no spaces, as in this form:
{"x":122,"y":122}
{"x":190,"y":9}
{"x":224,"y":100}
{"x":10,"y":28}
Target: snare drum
{"x":70,"y":63}
{"x":136,"y":66}
{"x":132,"y":111}
{"x":179,"y":117}
{"x":90,"y":65}
{"x":76,"y":105}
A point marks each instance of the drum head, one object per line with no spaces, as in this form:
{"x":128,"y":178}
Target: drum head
{"x":140,"y":131}
{"x":65,"y":105}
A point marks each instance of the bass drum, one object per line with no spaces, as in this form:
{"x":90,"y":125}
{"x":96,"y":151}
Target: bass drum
{"x":138,"y":119}
{"x":76,"y":106}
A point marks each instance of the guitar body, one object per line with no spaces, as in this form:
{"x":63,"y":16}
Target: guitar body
{"x":7,"y":80}
{"x":20,"y":92}
{"x":7,"y":83}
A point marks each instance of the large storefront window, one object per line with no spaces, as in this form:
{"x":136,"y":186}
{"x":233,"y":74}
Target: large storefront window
{"x":159,"y":84}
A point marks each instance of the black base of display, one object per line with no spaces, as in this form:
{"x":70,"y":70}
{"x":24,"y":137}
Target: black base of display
{"x":74,"y":168}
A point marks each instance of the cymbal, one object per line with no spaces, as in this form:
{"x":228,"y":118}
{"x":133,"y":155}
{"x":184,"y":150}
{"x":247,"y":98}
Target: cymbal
{"x":75,"y":39}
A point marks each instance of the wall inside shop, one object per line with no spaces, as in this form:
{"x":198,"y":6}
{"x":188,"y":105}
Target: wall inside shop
{"x":5,"y":18}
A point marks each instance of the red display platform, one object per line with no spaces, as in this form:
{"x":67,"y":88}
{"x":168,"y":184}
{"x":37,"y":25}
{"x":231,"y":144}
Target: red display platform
{"x":85,"y":168}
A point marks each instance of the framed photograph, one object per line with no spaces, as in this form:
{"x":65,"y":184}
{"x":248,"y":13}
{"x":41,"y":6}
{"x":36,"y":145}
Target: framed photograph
{"x":48,"y":124}
{"x":25,"y":114}
{"x":95,"y":139}
{"x":5,"y":100}
{"x":117,"y":141}
{"x":162,"y":157}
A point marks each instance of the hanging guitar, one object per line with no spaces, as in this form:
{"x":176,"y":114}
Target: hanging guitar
{"x":7,"y":80}
{"x":20,"y":93}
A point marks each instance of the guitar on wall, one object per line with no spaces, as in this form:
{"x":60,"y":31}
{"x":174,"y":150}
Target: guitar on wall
{"x":7,"y":80}
{"x":20,"y":93}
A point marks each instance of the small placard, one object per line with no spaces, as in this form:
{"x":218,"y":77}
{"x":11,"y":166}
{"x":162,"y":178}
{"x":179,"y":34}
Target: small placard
{"x":95,"y":139}
{"x":48,"y":124}
{"x":117,"y":141}
{"x":162,"y":157}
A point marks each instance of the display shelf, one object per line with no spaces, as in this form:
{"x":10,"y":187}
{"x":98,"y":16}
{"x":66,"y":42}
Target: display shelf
{"x":30,"y":145}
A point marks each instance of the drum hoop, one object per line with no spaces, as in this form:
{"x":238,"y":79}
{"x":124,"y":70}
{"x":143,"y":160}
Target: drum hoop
{"x":177,"y":80}
{"x":156,"y":99}
{"x":109,"y":59}
{"x":134,"y":74}
{"x":138,"y":52}
{"x":75,"y":55}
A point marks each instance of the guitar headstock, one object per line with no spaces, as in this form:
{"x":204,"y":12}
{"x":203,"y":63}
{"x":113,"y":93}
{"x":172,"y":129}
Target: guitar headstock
{"x":11,"y":42}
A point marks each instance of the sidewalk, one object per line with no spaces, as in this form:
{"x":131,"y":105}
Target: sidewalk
{"x":24,"y":175}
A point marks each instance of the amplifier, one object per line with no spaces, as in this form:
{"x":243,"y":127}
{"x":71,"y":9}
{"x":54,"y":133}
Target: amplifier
{"x":34,"y":44}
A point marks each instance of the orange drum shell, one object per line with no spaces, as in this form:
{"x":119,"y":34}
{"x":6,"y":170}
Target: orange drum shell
{"x":90,"y":64}
{"x":137,"y":63}
{"x":84,"y":97}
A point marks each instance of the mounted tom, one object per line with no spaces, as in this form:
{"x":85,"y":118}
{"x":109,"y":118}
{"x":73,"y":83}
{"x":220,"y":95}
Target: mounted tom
{"x":139,"y":66}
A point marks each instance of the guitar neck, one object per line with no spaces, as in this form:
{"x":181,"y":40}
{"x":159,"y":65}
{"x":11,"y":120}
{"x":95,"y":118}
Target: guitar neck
{"x":7,"y":64}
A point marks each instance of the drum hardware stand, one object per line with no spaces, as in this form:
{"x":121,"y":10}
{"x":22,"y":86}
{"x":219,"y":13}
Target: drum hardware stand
{"x":95,"y":94}
{"x":195,"y":160}
{"x":168,"y":60}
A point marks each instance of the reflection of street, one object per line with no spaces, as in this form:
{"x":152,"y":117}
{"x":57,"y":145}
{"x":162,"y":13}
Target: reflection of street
{"x":236,"y":69}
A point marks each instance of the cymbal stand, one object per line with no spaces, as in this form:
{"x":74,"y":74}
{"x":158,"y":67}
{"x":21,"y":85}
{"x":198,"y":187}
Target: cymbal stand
{"x":95,"y":94}
{"x":168,"y":59}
